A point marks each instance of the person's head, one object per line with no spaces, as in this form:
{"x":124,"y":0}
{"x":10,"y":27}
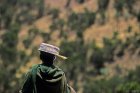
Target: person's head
{"x":47,"y":58}
{"x":48,"y":53}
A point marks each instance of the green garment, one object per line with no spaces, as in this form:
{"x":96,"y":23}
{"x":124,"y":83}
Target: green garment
{"x":45,"y":79}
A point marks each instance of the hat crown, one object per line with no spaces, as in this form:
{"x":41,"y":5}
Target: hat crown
{"x":49,"y":48}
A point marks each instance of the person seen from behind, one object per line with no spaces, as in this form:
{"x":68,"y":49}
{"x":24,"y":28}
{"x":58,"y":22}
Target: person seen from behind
{"x":45,"y":77}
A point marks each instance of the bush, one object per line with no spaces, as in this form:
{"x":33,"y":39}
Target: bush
{"x":116,"y":84}
{"x":9,"y":14}
{"x":102,"y":5}
{"x":97,"y":59}
{"x":81,"y":21}
{"x":138,"y":17}
{"x":129,"y":87}
{"x":54,"y":12}
{"x":32,"y":34}
{"x":57,"y":25}
{"x":8,"y":56}
{"x":119,"y":4}
{"x":132,"y":82}
{"x":103,"y":85}
{"x":129,"y":5}
{"x":8,"y":47}
{"x":80,"y":1}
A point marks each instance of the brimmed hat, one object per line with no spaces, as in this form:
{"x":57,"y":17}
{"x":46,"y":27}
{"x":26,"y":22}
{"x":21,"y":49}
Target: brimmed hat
{"x":50,"y":49}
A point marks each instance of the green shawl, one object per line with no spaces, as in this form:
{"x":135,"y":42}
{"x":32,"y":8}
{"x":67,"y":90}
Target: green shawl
{"x":45,"y":79}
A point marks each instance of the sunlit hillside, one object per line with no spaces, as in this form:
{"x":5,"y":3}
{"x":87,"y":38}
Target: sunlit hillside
{"x":94,"y":32}
{"x":101,"y":39}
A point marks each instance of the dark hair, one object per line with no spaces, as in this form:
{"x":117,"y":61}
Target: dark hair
{"x":47,"y":58}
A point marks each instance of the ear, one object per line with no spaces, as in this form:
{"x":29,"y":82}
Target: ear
{"x":54,"y":58}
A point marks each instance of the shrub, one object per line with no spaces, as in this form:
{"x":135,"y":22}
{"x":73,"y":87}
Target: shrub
{"x":8,"y":47}
{"x":54,"y":12}
{"x":129,"y":5}
{"x":97,"y":59}
{"x":9,"y":14}
{"x":129,"y":87}
{"x":32,"y":33}
{"x":102,"y":5}
{"x":119,"y":4}
{"x":80,"y":1}
{"x":103,"y":85}
{"x":81,"y":21}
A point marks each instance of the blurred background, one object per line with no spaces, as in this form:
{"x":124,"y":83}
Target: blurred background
{"x":101,"y":39}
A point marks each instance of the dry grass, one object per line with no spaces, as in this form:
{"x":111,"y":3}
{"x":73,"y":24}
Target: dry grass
{"x":126,"y":63}
{"x":96,"y":31}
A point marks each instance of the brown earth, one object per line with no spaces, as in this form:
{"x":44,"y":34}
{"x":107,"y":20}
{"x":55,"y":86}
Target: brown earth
{"x":96,"y":31}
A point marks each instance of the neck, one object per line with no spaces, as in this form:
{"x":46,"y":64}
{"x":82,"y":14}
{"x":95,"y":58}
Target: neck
{"x":48,"y":63}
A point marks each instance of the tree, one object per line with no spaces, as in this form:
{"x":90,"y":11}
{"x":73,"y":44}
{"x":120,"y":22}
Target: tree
{"x":19,"y":11}
{"x":119,"y":4}
{"x":102,"y":7}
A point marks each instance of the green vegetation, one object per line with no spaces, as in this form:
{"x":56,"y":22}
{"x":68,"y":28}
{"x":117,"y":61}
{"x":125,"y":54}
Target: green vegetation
{"x":54,"y":12}
{"x":86,"y":59}
{"x":81,"y":21}
{"x":119,"y":4}
{"x":127,"y":84}
{"x":102,"y":7}
{"x":19,"y":11}
{"x":8,"y":47}
{"x":80,"y":1}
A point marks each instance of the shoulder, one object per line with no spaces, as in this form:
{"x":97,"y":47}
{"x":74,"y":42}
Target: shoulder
{"x":32,"y":68}
{"x":35,"y":66}
{"x":59,"y":69}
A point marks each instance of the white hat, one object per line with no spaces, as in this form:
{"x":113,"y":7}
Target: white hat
{"x":50,"y":49}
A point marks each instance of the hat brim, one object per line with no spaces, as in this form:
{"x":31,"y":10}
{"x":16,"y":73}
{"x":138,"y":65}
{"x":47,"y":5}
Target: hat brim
{"x":60,"y":56}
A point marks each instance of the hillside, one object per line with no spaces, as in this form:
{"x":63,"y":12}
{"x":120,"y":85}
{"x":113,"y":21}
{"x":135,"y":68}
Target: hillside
{"x":100,"y":38}
{"x":94,"y":32}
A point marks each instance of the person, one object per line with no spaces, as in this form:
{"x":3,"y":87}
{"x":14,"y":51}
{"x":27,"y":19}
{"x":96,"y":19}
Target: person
{"x":45,"y":77}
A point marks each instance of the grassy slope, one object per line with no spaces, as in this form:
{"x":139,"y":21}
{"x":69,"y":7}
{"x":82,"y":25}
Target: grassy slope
{"x":96,"y":31}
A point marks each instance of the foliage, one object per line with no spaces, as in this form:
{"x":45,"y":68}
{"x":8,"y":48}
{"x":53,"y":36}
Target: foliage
{"x":8,"y":47}
{"x":19,"y":11}
{"x":119,"y":4}
{"x":138,"y":17}
{"x":105,"y":53}
{"x":102,"y":7}
{"x":54,"y":12}
{"x":8,"y":54}
{"x":115,"y":84}
{"x":99,"y":86}
{"x":113,"y":47}
{"x":32,"y":33}
{"x":81,"y":21}
{"x":132,"y":82}
{"x":129,"y":5}
{"x":86,"y":60}
{"x":72,"y":48}
{"x":68,"y":3}
{"x":80,"y":1}
{"x":14,"y":13}
{"x":103,"y":4}
{"x":97,"y":58}
{"x":57,"y":24}
{"x":129,"y":87}
{"x":45,"y":36}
